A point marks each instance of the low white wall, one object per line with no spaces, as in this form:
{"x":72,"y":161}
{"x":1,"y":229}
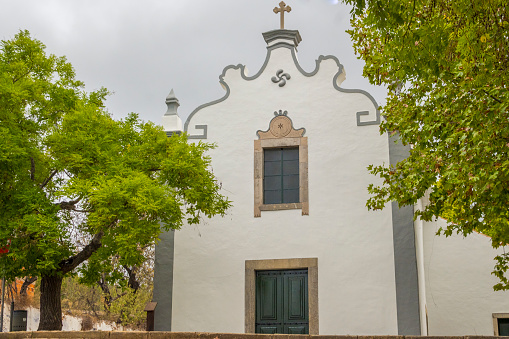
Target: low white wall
{"x":459,"y":284}
{"x":69,"y":323}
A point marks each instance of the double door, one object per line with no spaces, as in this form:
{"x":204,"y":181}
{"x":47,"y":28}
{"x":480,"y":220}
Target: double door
{"x":282,"y":302}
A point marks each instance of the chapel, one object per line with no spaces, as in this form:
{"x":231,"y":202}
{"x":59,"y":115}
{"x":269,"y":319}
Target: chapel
{"x":299,"y":252}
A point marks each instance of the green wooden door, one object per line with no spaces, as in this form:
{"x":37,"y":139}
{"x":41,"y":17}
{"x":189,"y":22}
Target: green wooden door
{"x":282,"y":302}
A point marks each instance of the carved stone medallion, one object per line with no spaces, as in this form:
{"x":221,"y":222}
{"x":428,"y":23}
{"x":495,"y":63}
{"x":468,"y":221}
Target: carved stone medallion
{"x":280,"y":127}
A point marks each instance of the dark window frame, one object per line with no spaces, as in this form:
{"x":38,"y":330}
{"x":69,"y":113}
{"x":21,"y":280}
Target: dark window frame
{"x":496,"y":323}
{"x":293,"y":142}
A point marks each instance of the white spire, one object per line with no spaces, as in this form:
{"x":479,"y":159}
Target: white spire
{"x":171,"y":120}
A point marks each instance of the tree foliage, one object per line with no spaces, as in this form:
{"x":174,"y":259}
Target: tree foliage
{"x":447,"y":68}
{"x":78,"y":189}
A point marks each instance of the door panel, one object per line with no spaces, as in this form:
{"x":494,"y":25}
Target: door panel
{"x":268,"y":304}
{"x":297,"y":329}
{"x":268,"y":329}
{"x":296,"y":298}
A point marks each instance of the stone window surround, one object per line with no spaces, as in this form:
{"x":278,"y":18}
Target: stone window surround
{"x":497,"y":316}
{"x":259,"y":146}
{"x":251,"y":266}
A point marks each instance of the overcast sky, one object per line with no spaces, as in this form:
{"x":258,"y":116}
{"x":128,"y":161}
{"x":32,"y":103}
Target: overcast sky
{"x":140,"y":50}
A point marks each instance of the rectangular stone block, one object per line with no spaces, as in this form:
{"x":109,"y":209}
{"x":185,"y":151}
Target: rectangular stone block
{"x":130,"y":335}
{"x":15,"y":335}
{"x":70,"y":334}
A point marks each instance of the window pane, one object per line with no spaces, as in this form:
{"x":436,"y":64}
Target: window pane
{"x":291,"y":182}
{"x":272,"y":183}
{"x":290,"y":154}
{"x":291,"y":167}
{"x":272,"y":154}
{"x":290,"y":196}
{"x":272,"y":197}
{"x":272,"y":168}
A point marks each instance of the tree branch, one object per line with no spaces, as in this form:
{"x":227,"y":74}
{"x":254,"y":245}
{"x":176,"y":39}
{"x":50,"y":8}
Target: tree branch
{"x":491,"y":96}
{"x":410,"y":21}
{"x":92,"y":307}
{"x":14,"y":80}
{"x":32,"y":169}
{"x":69,"y":205}
{"x":106,"y":292}
{"x":118,"y":296}
{"x":27,"y":282}
{"x":48,"y":179}
{"x":132,"y":282}
{"x":70,"y":264}
{"x":82,"y":211}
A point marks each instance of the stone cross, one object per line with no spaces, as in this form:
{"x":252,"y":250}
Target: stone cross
{"x":281,"y":9}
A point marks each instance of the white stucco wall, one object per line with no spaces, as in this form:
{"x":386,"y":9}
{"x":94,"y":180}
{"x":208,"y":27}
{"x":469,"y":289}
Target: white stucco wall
{"x":459,"y":286}
{"x":354,"y":247}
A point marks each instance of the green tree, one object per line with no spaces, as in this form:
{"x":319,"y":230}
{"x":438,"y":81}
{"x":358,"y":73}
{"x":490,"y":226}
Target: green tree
{"x":447,"y":69}
{"x":77,"y":187}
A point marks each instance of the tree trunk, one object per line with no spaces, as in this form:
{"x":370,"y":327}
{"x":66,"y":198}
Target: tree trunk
{"x":51,"y":286}
{"x":27,"y":282}
{"x":51,"y":308}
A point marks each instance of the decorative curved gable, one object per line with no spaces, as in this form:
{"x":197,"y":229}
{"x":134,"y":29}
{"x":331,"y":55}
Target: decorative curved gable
{"x":279,"y":41}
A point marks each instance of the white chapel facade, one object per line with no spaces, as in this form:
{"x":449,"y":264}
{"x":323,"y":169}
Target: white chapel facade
{"x":299,"y":252}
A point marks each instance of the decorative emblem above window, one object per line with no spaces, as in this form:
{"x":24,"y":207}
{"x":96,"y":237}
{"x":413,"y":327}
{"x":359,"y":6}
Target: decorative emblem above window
{"x":281,"y":127}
